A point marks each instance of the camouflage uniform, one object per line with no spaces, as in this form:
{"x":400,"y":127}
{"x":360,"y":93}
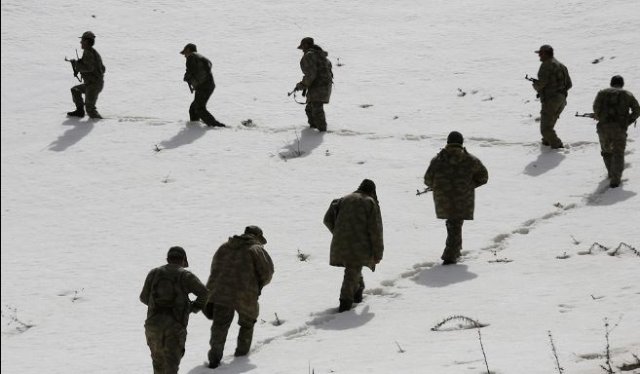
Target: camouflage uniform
{"x":552,"y":86}
{"x":199,"y":76}
{"x":92,"y":71}
{"x":611,"y":108}
{"x":454,"y":174}
{"x":317,"y":81}
{"x":241,"y":267}
{"x":166,"y":329}
{"x":356,"y":224}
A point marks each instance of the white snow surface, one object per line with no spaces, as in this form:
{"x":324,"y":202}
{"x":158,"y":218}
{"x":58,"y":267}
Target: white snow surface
{"x":89,"y":207}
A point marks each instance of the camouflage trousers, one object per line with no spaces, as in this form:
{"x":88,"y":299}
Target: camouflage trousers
{"x":453,"y":244}
{"x":352,"y":284}
{"x":166,"y":338}
{"x":613,"y":141}
{"x":549,"y":114}
{"x":91,"y":92}
{"x":315,"y":115}
{"x":198,"y":109}
{"x":222,"y":318}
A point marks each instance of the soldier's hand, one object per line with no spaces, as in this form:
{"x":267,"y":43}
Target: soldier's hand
{"x":299,"y":86}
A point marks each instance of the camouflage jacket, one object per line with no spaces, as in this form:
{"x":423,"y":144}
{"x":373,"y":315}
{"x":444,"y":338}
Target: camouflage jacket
{"x":612,"y":106}
{"x":189,"y":284}
{"x":553,"y":80}
{"x":356,"y":224}
{"x":198,"y":71}
{"x":90,"y":66}
{"x":241,"y":267}
{"x":318,"y":76}
{"x":454,"y":175}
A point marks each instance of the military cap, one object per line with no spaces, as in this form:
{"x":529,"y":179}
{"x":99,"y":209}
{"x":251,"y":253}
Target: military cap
{"x":257,"y":232}
{"x":545,"y":48}
{"x":88,"y":35}
{"x":367,"y":186}
{"x":306,"y":41}
{"x":189,"y":48}
{"x":455,"y":138}
{"x":177,"y":252}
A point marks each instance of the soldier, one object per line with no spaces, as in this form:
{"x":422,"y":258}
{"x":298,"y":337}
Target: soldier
{"x":166,"y":293}
{"x":356,"y":224}
{"x":611,"y":109}
{"x":316,"y":82}
{"x":552,"y":85}
{"x":453,"y":175}
{"x":92,"y":71}
{"x":200,"y":80}
{"x":241,"y":267}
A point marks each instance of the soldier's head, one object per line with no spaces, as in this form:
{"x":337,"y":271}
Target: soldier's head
{"x":256,"y":232}
{"x":189,"y":49}
{"x":88,"y":39}
{"x":368,"y":187}
{"x":306,"y":43}
{"x":178,"y":256}
{"x":617,"y":81}
{"x":545,"y":52}
{"x":455,"y":138}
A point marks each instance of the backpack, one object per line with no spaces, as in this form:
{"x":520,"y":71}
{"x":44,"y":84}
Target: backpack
{"x":325,"y":73}
{"x":166,"y":291}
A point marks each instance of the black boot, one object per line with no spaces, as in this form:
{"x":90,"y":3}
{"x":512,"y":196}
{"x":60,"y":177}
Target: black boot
{"x":76,"y":113}
{"x":344,"y":305}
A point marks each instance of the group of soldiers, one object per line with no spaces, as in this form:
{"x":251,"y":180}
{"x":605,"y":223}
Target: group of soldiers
{"x":241,"y":267}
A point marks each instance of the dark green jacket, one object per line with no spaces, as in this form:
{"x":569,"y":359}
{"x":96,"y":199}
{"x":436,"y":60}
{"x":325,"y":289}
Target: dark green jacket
{"x":553,"y":80}
{"x":90,"y":66}
{"x":198,"y":71}
{"x":612,"y":106}
{"x":454,"y":174}
{"x":318,"y":77}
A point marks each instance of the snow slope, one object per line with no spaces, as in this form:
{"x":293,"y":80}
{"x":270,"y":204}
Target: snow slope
{"x":88,"y":208}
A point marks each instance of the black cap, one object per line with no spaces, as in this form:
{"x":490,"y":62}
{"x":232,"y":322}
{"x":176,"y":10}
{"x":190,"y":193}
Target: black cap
{"x":178,"y":253}
{"x":367,"y":186}
{"x":545,"y":48}
{"x":189,"y":48}
{"x":617,"y":81}
{"x":88,"y":35}
{"x":455,"y":138}
{"x":306,"y":41}
{"x":257,"y":232}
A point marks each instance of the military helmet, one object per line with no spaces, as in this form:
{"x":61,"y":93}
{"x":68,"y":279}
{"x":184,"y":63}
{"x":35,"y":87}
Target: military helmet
{"x":88,"y":35}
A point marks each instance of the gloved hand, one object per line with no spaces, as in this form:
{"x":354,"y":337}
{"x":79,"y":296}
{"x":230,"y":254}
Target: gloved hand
{"x":299,"y":86}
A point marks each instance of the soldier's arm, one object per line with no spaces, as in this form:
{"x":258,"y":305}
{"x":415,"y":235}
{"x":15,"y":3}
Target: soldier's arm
{"x":481,"y":175}
{"x":429,"y":175}
{"x":192,"y":71}
{"x":375,"y":233}
{"x":263,"y":265}
{"x":331,"y":215}
{"x":194,"y":286}
{"x":309,"y":69}
{"x":544,"y":74}
{"x":635,"y":109}
{"x":597,"y":104}
{"x":146,"y":289}
{"x":87,"y":63}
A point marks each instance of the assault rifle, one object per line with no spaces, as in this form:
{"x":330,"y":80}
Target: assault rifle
{"x":426,"y":190}
{"x":530,"y":79}
{"x":588,"y":115}
{"x":73,"y":66}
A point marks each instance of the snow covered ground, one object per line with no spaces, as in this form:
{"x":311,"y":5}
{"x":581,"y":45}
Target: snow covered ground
{"x":88,"y":208}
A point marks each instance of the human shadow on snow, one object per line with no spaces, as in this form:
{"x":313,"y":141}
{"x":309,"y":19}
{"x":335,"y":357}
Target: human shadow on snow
{"x":545,"y":162}
{"x":302,"y":146}
{"x":79,"y":130}
{"x":191,"y":132}
{"x":236,"y":366}
{"x":603,"y":195}
{"x":348,"y":320}
{"x":442,"y":276}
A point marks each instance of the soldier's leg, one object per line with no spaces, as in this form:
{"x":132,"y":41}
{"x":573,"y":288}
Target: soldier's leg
{"x":357,"y":297}
{"x":350,"y":283}
{"x":222,"y":317}
{"x":551,"y":110}
{"x":454,"y":241}
{"x":618,"y":146}
{"x":308,"y":110}
{"x":76,"y":95}
{"x":155,"y":341}
{"x":201,"y":98}
{"x":605,"y":147}
{"x":91,"y":98}
{"x":175,"y":338}
{"x":317,"y":112}
{"x":245,"y":335}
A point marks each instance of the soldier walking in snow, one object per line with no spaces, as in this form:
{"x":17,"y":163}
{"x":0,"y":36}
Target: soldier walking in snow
{"x":316,"y":82}
{"x":166,"y":293}
{"x":552,"y":85}
{"x":453,"y":175}
{"x":92,"y":71}
{"x":200,"y":80}
{"x":356,"y":224}
{"x":240,"y":268}
{"x":611,"y":109}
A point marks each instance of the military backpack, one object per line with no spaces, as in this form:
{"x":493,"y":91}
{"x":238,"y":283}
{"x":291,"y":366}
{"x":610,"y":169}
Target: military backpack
{"x":166,"y":291}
